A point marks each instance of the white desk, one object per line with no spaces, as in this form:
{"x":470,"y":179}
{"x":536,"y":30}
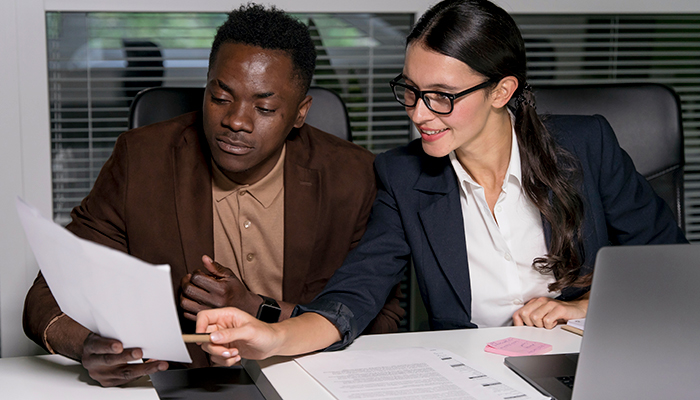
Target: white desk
{"x":56,"y":377}
{"x":292,"y":383}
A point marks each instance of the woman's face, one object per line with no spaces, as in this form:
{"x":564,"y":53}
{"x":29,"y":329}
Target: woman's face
{"x":469,"y":125}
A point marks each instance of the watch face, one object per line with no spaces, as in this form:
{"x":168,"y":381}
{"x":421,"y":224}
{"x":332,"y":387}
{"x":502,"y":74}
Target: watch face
{"x":268,"y":313}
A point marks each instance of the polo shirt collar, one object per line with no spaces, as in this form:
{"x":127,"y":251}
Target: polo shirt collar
{"x":264,"y":191}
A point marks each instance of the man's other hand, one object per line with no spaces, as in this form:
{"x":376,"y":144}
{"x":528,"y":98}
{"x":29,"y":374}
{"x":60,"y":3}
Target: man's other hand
{"x":215,"y":287}
{"x":106,"y":361}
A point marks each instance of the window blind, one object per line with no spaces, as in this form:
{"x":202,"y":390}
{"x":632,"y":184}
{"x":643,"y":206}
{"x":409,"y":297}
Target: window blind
{"x":594,"y":49}
{"x":98,"y":61}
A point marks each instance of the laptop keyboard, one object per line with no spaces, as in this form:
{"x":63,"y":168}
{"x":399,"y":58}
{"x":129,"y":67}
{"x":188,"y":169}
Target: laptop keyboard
{"x":567,"y":380}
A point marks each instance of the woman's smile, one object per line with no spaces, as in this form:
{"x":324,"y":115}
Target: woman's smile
{"x":431,"y":135}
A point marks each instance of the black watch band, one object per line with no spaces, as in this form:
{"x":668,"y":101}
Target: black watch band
{"x":269,"y":311}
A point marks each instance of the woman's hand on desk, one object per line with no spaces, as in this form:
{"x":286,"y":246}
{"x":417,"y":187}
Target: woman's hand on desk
{"x":106,"y":361}
{"x":545,"y":312}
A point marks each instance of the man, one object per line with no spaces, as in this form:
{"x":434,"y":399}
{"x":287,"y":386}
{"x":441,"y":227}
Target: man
{"x":277,"y":203}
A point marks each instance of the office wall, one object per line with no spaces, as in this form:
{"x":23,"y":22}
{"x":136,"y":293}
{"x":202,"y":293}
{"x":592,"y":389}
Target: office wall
{"x":11,"y":179}
{"x":25,"y":168}
{"x":24,"y":156}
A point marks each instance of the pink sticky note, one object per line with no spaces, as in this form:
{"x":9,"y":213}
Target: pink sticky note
{"x":517,"y":347}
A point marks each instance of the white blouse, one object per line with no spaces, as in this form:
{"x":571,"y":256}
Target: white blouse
{"x":500,"y":250}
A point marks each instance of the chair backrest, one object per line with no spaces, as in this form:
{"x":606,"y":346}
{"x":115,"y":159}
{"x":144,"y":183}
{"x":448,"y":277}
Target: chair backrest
{"x":144,"y":60}
{"x":327,"y":113}
{"x":647,"y":122}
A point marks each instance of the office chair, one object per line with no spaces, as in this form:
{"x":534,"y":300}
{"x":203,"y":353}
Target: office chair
{"x":144,"y":60}
{"x":647,"y":122}
{"x":327,"y":113}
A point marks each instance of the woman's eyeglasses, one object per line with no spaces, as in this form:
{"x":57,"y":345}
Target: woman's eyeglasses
{"x":437,"y":102}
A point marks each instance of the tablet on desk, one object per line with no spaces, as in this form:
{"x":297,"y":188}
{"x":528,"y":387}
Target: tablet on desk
{"x":213,"y":383}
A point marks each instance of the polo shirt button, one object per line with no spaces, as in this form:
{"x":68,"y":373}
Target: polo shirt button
{"x":246,"y":224}
{"x":507,"y":257}
{"x":250,"y":257}
{"x":499,"y":209}
{"x":242,"y":192}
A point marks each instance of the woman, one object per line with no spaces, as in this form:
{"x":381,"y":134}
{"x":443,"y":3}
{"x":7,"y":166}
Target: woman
{"x":501,"y":212}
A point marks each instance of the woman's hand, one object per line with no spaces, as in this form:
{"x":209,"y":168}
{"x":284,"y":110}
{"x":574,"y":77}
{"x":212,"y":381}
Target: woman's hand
{"x":236,"y":334}
{"x":545,"y":312}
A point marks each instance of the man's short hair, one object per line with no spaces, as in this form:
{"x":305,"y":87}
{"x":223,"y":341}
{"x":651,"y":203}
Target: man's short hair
{"x":270,"y":29}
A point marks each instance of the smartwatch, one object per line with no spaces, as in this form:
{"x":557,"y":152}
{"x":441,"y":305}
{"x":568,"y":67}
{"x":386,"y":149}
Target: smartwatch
{"x":269,"y":311}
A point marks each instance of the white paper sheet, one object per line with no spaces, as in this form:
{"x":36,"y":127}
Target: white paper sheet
{"x":577,"y":323}
{"x":107,"y":291}
{"x":407,"y":373}
{"x":502,"y":391}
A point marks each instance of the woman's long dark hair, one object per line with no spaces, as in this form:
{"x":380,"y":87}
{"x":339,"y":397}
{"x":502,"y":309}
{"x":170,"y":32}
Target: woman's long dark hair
{"x":485,"y":37}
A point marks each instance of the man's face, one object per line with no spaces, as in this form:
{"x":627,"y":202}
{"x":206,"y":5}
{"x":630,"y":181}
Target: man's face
{"x":251,"y":103}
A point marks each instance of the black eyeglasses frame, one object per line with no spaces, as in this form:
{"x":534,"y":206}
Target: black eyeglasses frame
{"x":421,"y":94}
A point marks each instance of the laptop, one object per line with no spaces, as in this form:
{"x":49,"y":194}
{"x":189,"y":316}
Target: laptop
{"x":642,"y":334}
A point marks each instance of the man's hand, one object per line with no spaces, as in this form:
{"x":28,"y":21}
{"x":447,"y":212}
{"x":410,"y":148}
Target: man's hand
{"x":544,"y":312}
{"x":215,"y":288}
{"x":106,"y":361}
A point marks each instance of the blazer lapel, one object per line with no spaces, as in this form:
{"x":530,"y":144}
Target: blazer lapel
{"x":301,"y":198}
{"x":441,"y":217}
{"x":193,"y":198}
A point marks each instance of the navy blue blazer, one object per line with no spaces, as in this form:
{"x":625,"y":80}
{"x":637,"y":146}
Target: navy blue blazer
{"x":417,"y":214}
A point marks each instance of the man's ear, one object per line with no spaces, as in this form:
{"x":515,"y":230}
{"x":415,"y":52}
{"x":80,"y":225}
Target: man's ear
{"x":503,"y":91}
{"x":302,"y":111}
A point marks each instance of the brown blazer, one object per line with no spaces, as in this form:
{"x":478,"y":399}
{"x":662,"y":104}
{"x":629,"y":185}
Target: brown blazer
{"x":153,"y":200}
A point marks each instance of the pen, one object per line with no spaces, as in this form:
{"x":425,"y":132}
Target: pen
{"x":572,"y":329}
{"x":196,"y":338}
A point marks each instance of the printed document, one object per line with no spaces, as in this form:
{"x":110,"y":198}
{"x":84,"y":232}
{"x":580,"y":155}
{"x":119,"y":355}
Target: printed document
{"x":406,"y":373}
{"x":107,"y":291}
{"x":502,"y":391}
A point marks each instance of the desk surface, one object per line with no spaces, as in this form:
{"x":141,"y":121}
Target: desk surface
{"x":44,"y":377}
{"x":291,"y":382}
{"x":54,"y":376}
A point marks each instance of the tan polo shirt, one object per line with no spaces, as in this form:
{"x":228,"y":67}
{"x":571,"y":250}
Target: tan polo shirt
{"x":249,"y":228}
